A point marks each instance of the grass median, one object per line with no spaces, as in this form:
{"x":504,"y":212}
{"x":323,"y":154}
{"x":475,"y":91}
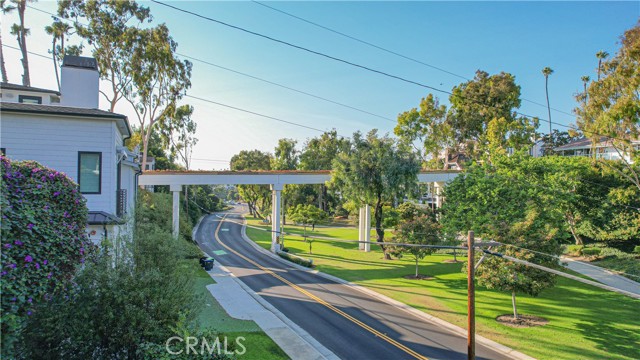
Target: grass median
{"x":584,"y":322}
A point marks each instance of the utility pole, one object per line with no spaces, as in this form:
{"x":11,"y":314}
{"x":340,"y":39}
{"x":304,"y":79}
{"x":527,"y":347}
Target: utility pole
{"x":471,"y":301}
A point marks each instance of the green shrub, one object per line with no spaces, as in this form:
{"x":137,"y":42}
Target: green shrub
{"x":120,"y":304}
{"x":636,"y":250}
{"x":44,"y":218}
{"x":591,"y":251}
{"x":574,"y":250}
{"x":296,"y":259}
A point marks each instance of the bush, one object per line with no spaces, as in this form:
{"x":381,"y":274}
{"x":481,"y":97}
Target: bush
{"x":636,"y":250}
{"x":296,"y":259}
{"x":120,"y":304}
{"x":591,"y":251}
{"x":44,"y":218}
{"x":574,"y":250}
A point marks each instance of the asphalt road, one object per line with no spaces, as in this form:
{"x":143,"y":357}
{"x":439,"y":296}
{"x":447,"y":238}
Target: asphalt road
{"x":346,"y":321}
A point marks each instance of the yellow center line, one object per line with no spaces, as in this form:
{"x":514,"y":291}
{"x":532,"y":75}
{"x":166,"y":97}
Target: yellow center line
{"x":319,"y":300}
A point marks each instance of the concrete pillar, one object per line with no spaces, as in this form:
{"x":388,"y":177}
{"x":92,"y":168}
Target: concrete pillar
{"x":361,"y":225}
{"x":364,"y":228}
{"x":276,"y":208}
{"x":367,"y":228}
{"x":176,"y":190}
{"x":439,"y":188}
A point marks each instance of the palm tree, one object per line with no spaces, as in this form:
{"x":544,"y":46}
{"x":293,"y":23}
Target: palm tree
{"x":585,"y":80}
{"x":601,"y":55}
{"x":6,"y":9}
{"x":21,"y":33}
{"x":58,"y":30}
{"x":546,"y":72}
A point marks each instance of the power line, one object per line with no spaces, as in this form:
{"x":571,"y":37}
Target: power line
{"x":286,"y":87}
{"x":255,"y":113}
{"x":380,"y":72}
{"x":406,"y":57}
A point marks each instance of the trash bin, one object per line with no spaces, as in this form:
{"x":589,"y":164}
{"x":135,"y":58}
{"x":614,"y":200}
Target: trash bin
{"x":202,"y":259}
{"x":208,"y":264}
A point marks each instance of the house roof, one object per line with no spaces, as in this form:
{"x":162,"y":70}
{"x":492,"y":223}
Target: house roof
{"x":102,"y":218}
{"x":66,"y":111}
{"x":9,"y":86}
{"x":582,"y":143}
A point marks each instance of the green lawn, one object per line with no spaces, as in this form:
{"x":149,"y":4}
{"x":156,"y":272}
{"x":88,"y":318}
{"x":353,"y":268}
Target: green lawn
{"x":584,"y":322}
{"x":258,"y":344}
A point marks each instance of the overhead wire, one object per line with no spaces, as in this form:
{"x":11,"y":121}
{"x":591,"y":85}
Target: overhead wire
{"x":406,"y":57}
{"x":363,"y":67}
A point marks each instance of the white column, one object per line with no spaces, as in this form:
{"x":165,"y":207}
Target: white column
{"x":276,"y":208}
{"x":175,"y":190}
{"x":439,"y":187}
{"x":361,"y":224}
{"x":367,"y":228}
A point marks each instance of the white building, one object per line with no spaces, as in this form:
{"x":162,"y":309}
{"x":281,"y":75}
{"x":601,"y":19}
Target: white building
{"x":600,"y":150}
{"x":66,"y":131}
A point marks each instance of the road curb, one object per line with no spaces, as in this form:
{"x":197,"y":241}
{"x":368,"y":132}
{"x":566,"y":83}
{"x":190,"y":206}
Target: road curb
{"x":409,"y":309}
{"x":324,"y":353}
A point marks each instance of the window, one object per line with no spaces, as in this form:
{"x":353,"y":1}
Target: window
{"x":26,"y":99}
{"x":90,"y":172}
{"x":3,"y":151}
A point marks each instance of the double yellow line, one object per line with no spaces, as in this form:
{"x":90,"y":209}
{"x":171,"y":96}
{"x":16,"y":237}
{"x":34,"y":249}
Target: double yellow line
{"x":319,"y":300}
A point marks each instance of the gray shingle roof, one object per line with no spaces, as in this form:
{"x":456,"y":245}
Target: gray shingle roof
{"x":9,"y":86}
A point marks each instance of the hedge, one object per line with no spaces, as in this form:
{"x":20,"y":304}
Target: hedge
{"x":44,"y":218}
{"x":296,"y":259}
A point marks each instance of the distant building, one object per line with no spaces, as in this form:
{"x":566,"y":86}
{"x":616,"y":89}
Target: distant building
{"x":599,"y":150}
{"x":66,"y":131}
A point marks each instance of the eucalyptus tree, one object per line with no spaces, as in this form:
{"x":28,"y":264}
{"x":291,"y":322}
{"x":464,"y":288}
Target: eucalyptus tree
{"x":376,"y":170}
{"x":21,"y":33}
{"x":6,"y":9}
{"x":159,"y":80}
{"x":611,"y":109}
{"x":546,"y":72}
{"x":112,"y":29}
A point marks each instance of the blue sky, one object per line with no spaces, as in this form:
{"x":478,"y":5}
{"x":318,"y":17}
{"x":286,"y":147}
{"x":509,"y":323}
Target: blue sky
{"x":461,"y":37}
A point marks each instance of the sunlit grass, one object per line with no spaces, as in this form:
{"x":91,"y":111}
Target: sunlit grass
{"x":584,"y":322}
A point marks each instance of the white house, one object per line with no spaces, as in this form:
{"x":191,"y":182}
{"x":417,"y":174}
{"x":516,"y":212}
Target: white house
{"x":600,"y":150}
{"x":66,"y":131}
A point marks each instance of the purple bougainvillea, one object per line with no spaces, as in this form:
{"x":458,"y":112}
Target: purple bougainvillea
{"x":33,"y":240}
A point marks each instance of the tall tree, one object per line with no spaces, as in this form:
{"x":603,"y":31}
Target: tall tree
{"x":585,"y":81}
{"x":375,"y":171}
{"x":59,"y":31}
{"x":318,"y":154}
{"x":21,"y":32}
{"x":112,"y":29}
{"x":428,"y":126}
{"x":159,"y":80}
{"x":5,"y":8}
{"x":601,"y":55}
{"x":254,"y":195}
{"x":610,"y":112}
{"x":546,"y":72}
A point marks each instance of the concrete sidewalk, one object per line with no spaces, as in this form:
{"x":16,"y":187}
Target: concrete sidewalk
{"x":241,"y":302}
{"x":603,"y":275}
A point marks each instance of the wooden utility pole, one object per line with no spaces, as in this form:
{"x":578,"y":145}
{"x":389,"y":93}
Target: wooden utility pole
{"x":471,"y":301}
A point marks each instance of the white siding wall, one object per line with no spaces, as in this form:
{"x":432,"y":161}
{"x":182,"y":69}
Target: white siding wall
{"x":55,"y":143}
